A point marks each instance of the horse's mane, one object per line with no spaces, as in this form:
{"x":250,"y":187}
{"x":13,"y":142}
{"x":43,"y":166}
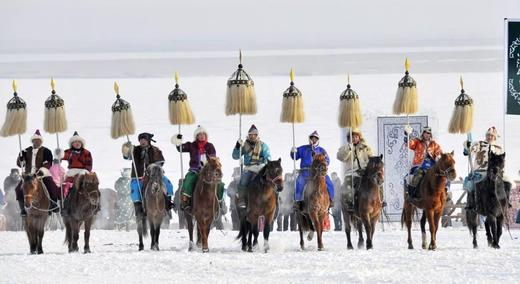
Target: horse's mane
{"x":214,"y":161}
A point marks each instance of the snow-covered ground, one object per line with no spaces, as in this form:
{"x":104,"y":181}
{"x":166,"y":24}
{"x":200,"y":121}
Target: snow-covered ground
{"x":115,"y":259}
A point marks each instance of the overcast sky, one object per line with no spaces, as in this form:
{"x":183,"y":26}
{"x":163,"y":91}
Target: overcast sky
{"x":34,"y":26}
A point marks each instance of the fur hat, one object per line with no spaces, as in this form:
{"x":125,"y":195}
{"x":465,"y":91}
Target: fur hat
{"x":314,"y":134}
{"x":198,"y":131}
{"x":253,"y":130}
{"x":492,"y":131}
{"x":357,"y":131}
{"x":427,"y":129}
{"x":75,"y":137}
{"x":37,"y":135}
{"x":146,"y":135}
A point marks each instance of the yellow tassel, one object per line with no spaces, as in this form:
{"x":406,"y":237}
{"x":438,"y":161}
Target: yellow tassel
{"x":122,"y":123}
{"x":181,"y":113}
{"x":292,"y":109}
{"x":55,"y":120}
{"x":240,"y":99}
{"x":350,"y":113}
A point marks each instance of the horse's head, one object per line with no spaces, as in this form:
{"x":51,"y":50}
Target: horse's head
{"x":319,"y":165}
{"x":446,"y":166}
{"x":496,"y":164}
{"x":376,"y":167}
{"x":273,"y":172}
{"x":89,"y":183}
{"x":31,"y":189}
{"x":154,"y":177}
{"x":212,"y":171}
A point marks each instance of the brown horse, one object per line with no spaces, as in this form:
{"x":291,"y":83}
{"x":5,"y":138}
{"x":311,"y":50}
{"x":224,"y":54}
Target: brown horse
{"x":83,"y":205}
{"x":205,"y":203}
{"x":261,"y":205}
{"x":367,"y":203}
{"x":316,"y":202}
{"x":36,"y":201}
{"x":154,"y":192}
{"x":432,"y":192}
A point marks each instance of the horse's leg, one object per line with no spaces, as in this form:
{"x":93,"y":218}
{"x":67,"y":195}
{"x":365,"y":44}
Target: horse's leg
{"x":373,"y":223}
{"x":423,"y":230}
{"x":189,"y":223}
{"x":31,"y":235}
{"x":436,"y":218}
{"x":319,"y":231}
{"x":500,"y":222}
{"x":361,"y":240}
{"x":267,"y":230}
{"x":431,"y":223}
{"x":86,"y":235}
{"x":152,"y":234}
{"x":488,"y":232}
{"x":256,"y":232}
{"x":368,"y":229}
{"x":75,"y":235}
{"x":41,"y":231}
{"x":300,"y":229}
{"x":68,"y":233}
{"x":346,"y":218}
{"x":249,"y":237}
{"x":157,"y":233}
{"x":406,"y":218}
{"x":493,"y":227}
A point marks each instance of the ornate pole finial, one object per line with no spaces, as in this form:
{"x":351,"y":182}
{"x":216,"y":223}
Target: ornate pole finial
{"x":461,"y":83}
{"x":407,"y":65}
{"x":15,"y":86}
{"x":291,"y":74}
{"x":53,"y":84}
{"x":177,"y":78}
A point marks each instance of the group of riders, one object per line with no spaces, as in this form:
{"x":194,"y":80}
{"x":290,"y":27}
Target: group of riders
{"x":38,"y":160}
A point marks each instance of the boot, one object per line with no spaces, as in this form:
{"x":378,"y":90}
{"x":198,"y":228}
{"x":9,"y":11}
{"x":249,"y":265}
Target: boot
{"x":139,"y":211}
{"x":331,"y":203}
{"x":186,"y":203}
{"x":383,"y":204}
{"x":168,"y":204}
{"x":23,"y":213}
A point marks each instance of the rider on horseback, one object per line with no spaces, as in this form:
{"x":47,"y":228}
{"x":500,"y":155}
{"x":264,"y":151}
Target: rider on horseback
{"x":144,"y":155}
{"x":362,"y":152}
{"x":80,"y":162}
{"x":426,"y":153}
{"x":480,"y":154}
{"x":305,"y":154}
{"x":34,"y":159}
{"x":256,"y":155}
{"x":200,"y":151}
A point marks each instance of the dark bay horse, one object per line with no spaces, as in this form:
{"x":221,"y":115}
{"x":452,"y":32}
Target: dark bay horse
{"x":36,"y":202}
{"x":154,"y":200}
{"x":316,"y":202}
{"x":261,"y":205}
{"x":492,"y":202}
{"x":83,"y":205}
{"x":432,"y":192}
{"x":205,"y":202}
{"x":367,"y":203}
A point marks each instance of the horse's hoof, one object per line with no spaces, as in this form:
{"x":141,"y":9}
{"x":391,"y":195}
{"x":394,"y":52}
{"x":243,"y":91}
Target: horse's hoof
{"x":369,"y":247}
{"x":266,"y":247}
{"x":310,"y":236}
{"x":41,"y":251}
{"x":87,"y":251}
{"x":410,"y":246}
{"x":250,"y":249}
{"x":360,"y":245}
{"x":321,"y":249}
{"x":432,"y":247}
{"x":33,"y":252}
{"x":350,"y":247}
{"x":141,"y":247}
{"x":475,"y":246}
{"x":205,"y":250}
{"x":244,"y":248}
{"x":424,"y":246}
{"x":496,"y":246}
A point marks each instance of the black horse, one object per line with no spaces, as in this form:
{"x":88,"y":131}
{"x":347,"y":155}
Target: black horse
{"x":492,"y":202}
{"x":262,"y":203}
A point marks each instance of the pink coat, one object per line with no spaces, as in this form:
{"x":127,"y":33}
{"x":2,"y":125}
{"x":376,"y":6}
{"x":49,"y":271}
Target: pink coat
{"x":57,"y":173}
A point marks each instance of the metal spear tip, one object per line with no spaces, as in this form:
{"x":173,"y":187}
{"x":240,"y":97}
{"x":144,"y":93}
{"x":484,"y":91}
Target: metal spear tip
{"x":53,"y":84}
{"x":407,"y":65}
{"x":291,"y":74}
{"x":116,"y":88}
{"x":240,"y":56}
{"x":15,"y":86}
{"x":461,"y":83}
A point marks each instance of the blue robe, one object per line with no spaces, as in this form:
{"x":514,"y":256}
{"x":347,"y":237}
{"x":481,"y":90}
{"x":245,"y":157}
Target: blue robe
{"x":304,"y":154}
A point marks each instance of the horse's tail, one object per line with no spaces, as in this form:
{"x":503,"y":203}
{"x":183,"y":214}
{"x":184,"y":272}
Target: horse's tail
{"x":68,"y":236}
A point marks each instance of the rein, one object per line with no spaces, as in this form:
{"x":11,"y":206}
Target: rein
{"x":45,"y":192}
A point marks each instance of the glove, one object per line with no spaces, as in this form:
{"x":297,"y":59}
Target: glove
{"x":468,"y":144}
{"x":177,"y":140}
{"x":239,"y":143}
{"x":21,"y":156}
{"x":294,"y":150}
{"x":127,"y":149}
{"x":179,"y":136}
{"x":408,"y":130}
